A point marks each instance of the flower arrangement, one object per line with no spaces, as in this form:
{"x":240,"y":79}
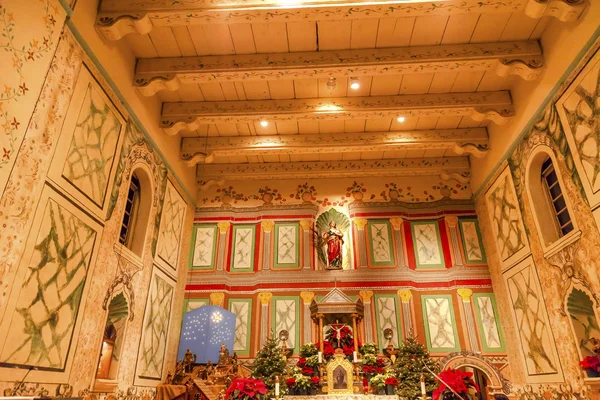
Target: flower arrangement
{"x":591,"y":364}
{"x":315,"y":380}
{"x":308,"y":350}
{"x":302,"y":189}
{"x":246,"y":388}
{"x":368,"y":349}
{"x":378,"y":380}
{"x":290,"y":382}
{"x":303,"y":381}
{"x":457,"y":380}
{"x":390,"y":380}
{"x":355,"y":188}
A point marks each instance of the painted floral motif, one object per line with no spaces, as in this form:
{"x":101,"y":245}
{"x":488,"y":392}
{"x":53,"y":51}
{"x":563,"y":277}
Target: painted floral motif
{"x":266,"y":193}
{"x":227,"y":195}
{"x":326,"y":202}
{"x":49,"y":299}
{"x":302,"y":189}
{"x":23,"y":49}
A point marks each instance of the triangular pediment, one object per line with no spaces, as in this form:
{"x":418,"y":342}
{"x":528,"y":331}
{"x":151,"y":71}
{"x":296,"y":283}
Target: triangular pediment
{"x":336,"y":296}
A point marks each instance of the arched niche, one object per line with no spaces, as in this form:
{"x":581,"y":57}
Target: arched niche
{"x":465,"y":358}
{"x":144,"y":208}
{"x":583,"y":318}
{"x":544,"y":214}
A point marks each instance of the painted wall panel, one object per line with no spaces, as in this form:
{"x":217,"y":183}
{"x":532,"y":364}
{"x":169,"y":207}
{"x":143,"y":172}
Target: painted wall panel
{"x":286,"y":316}
{"x":387,"y":315}
{"x":287,"y":245}
{"x":242,"y":308}
{"x":440,"y":323}
{"x":488,"y":322}
{"x":204,"y":242}
{"x":242,"y":259}
{"x":171,"y":225}
{"x":427,"y":244}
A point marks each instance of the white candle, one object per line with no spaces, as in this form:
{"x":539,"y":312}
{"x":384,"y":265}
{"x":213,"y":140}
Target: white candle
{"x":277,"y":389}
{"x":354,"y":356}
{"x":320,"y":357}
{"x":423,"y":391}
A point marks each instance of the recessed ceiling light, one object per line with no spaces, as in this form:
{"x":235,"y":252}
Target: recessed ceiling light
{"x":354,"y":83}
{"x":264,"y":123}
{"x":401,"y":119}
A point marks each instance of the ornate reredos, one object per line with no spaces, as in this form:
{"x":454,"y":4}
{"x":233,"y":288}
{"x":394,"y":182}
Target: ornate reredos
{"x":337,"y":306}
{"x":339,"y":360}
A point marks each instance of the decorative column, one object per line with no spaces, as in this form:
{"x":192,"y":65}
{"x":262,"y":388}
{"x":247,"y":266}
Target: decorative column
{"x":307,"y":298}
{"x":399,"y":243}
{"x":265,"y":300}
{"x":267,"y":227}
{"x":405,"y":297}
{"x":465,"y":294}
{"x":452,"y":223}
{"x":366,"y":296}
{"x":354,"y":331}
{"x":306,"y":225}
{"x":320,"y":333}
{"x":216,"y":299}
{"x":361,"y":242}
{"x":223,"y":228}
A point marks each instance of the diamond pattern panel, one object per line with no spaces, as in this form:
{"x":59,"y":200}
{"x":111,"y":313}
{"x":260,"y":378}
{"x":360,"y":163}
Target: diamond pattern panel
{"x":439,"y":321}
{"x":285,"y":318}
{"x":49,"y":300}
{"x":427,"y":246}
{"x":487,"y":315}
{"x":473,"y":248}
{"x":242,"y":258}
{"x":242,"y":312}
{"x":204,"y":247}
{"x":380,"y":240}
{"x":531,"y":322}
{"x":170,"y":226}
{"x":286,"y":242}
{"x":156,"y":328}
{"x":388,"y":317}
{"x":93,"y":146}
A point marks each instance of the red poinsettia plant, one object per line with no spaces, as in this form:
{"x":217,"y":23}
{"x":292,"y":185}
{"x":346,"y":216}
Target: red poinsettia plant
{"x":591,"y":363}
{"x":315,"y":380}
{"x":457,"y":380}
{"x":246,"y":388}
{"x":391,"y":381}
{"x":290,"y":382}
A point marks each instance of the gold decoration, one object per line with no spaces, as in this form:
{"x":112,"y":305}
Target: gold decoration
{"x":223,"y":226}
{"x":265,"y":298}
{"x":451,"y":220}
{"x":306,"y":224}
{"x":340,"y":377}
{"x":366,"y":295}
{"x":216,"y":299}
{"x":360,"y":223}
{"x":405,"y":295}
{"x":396,"y":222}
{"x":267,"y":225}
{"x":307,"y":297}
{"x":465,"y":294}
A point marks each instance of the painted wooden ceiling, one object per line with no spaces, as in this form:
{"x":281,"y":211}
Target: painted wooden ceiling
{"x":261,"y":89}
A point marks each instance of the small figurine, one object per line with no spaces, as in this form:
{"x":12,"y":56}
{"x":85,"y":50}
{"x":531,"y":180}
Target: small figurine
{"x":188,"y":361}
{"x":169,"y":378}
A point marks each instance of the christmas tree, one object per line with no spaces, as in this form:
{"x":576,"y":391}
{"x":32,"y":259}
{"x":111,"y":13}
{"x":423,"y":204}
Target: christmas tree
{"x":270,"y":362}
{"x":411,"y":359}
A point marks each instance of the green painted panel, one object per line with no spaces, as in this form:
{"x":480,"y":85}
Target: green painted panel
{"x":488,"y":322}
{"x":440,"y":323}
{"x":204,"y":247}
{"x":287,"y":245}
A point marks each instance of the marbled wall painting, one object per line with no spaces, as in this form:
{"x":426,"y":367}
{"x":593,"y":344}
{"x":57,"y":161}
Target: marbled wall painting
{"x":155,"y":331}
{"x":51,"y":285}
{"x":379,"y":237}
{"x":286,"y":316}
{"x":242,"y":258}
{"x":579,"y":110}
{"x":488,"y":322}
{"x":85,"y":156}
{"x":472,"y":242}
{"x":387,"y":316}
{"x":171,"y":225}
{"x":507,"y":222}
{"x":287,"y":245}
{"x":531,"y":322}
{"x":427,"y":244}
{"x":242,"y":308}
{"x":192,"y":304}
{"x":440,"y":325}
{"x":29,"y":35}
{"x":204,"y":242}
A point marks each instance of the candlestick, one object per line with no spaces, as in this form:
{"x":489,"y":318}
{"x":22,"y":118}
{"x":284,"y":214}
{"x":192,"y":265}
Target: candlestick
{"x":354,"y":357}
{"x":320,"y":357}
{"x":423,"y":391}
{"x":277,"y":386}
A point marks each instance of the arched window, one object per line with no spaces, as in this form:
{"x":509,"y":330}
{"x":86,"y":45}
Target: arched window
{"x":137,"y":211}
{"x":552,"y":210}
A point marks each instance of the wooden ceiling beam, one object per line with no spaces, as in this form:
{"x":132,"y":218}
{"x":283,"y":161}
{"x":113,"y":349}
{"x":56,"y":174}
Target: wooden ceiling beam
{"x":494,"y":106}
{"x":461,"y":141}
{"x":505,"y":58}
{"x":117,"y":18}
{"x":448,"y":167}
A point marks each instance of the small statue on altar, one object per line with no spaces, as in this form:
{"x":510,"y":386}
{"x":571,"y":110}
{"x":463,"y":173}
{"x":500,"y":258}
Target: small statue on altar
{"x":169,"y":378}
{"x":224,"y":358}
{"x":189,"y":360}
{"x":334,"y":239}
{"x":210,"y":369}
{"x":391,"y":352}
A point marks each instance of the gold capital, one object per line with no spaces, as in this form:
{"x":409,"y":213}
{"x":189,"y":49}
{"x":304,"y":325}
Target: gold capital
{"x":366,"y":295}
{"x":265,"y":298}
{"x":305,"y":224}
{"x":216,"y":299}
{"x":396,"y":222}
{"x":307,"y":297}
{"x":451,"y":220}
{"x":360,"y":223}
{"x":223,"y":226}
{"x":405,"y":295}
{"x":465,"y":294}
{"x":267,"y":225}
